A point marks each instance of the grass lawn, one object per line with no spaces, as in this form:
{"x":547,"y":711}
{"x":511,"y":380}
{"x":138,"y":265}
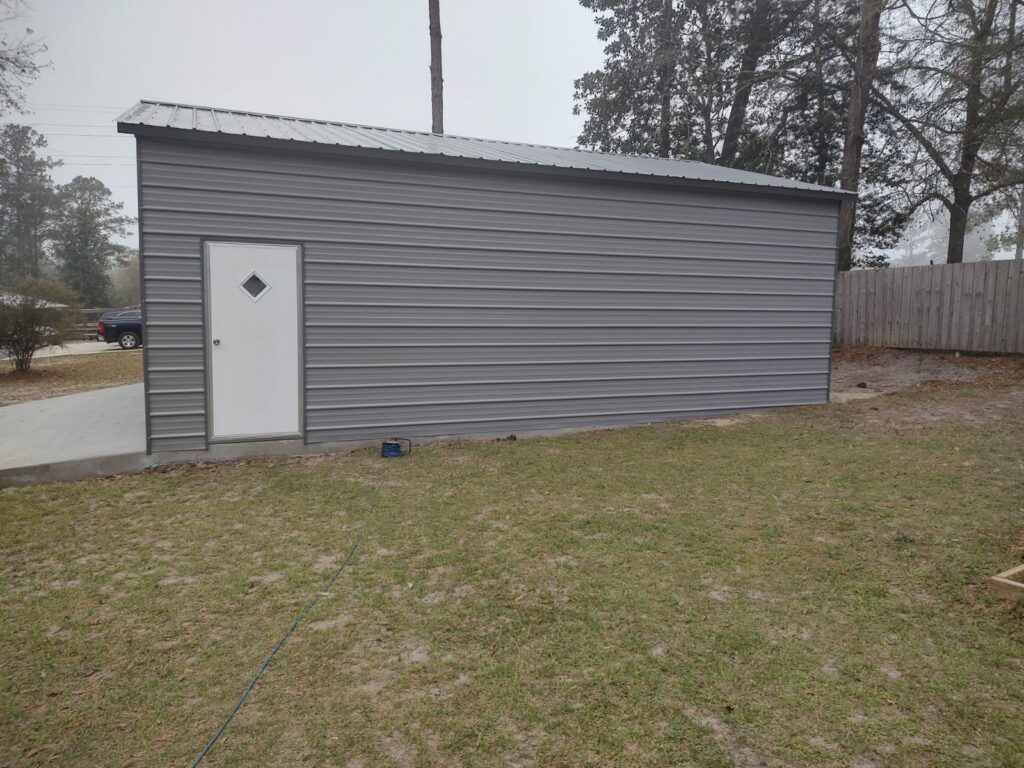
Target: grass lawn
{"x":800,"y":588}
{"x":67,"y":374}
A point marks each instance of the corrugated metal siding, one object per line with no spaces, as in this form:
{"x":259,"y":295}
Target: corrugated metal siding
{"x":173,"y":333}
{"x":443,"y":301}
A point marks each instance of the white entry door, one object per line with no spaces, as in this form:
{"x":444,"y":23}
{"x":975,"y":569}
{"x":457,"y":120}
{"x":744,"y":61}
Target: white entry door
{"x":253,"y":340}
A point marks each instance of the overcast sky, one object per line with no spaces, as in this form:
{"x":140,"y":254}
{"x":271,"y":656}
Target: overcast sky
{"x":509,"y":68}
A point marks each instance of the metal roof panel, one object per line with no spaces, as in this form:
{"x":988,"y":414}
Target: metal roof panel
{"x":191,"y":118}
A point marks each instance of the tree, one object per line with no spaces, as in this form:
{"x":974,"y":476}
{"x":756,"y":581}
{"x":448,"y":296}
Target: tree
{"x":920,"y":106}
{"x":19,"y":52}
{"x":1018,"y":225}
{"x":868,"y":46}
{"x":27,"y":199}
{"x":436,"y":80}
{"x":679,"y":75}
{"x":666,"y":58}
{"x":82,"y":244}
{"x":762,"y":86}
{"x":955,"y":86}
{"x":760,"y":32}
{"x":34,"y":314}
{"x":795,"y":127}
{"x":631,"y":103}
{"x":661,"y":89}
{"x":1003,"y":215}
{"x":124,"y":277}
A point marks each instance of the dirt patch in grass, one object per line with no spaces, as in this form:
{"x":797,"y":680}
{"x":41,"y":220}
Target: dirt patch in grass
{"x":979,"y":407}
{"x":883,"y":371}
{"x":936,"y":387}
{"x":803,"y":588}
{"x":56,"y":376}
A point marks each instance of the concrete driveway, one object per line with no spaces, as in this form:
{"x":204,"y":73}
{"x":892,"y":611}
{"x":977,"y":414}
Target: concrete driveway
{"x":74,"y":348}
{"x":102,"y":426}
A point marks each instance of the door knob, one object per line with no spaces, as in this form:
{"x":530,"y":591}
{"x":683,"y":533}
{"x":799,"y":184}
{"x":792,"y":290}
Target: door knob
{"x":216,"y":342}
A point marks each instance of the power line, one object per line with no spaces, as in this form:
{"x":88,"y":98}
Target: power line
{"x":76,"y":125}
{"x":92,"y":135}
{"x":85,"y":107}
{"x":72,"y":154}
{"x":62,"y":125}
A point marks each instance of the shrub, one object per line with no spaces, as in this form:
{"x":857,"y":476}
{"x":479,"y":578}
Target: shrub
{"x":34,"y":314}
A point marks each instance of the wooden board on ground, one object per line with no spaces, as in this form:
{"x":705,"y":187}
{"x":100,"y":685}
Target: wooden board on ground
{"x":1008,"y":585}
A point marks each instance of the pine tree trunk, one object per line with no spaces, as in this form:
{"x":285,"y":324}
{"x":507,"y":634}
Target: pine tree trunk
{"x":864,"y":75}
{"x":758,"y":36}
{"x":822,"y":139}
{"x":665,"y":83}
{"x":436,"y":80}
{"x":957,"y":229}
{"x":972,"y":137}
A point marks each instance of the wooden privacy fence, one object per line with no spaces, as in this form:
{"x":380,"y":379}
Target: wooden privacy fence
{"x":976,"y":307}
{"x":86,"y":326}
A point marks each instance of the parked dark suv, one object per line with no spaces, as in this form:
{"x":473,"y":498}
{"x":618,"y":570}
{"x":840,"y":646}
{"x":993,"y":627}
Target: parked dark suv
{"x":123,"y":326}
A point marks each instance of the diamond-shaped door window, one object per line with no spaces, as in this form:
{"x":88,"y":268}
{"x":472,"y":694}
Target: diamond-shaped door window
{"x":255,"y":286}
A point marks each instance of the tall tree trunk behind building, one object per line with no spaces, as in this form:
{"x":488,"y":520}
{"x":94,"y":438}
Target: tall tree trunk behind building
{"x":860,"y":90}
{"x":972,"y":134}
{"x":666,"y":81}
{"x":957,"y":228}
{"x":758,"y":35}
{"x":436,"y":80}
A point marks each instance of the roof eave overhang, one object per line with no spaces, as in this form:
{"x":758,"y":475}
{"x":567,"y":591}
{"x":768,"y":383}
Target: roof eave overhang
{"x":336,"y":150}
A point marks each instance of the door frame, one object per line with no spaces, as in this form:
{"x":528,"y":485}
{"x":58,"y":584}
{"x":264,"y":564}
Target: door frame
{"x":300,"y":299}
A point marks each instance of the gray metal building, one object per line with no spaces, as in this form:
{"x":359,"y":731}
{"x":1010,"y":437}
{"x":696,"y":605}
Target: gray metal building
{"x":326,"y":282}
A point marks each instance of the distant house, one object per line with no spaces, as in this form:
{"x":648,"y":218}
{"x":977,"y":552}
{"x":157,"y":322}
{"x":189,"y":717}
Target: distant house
{"x":15,"y":298}
{"x":327,"y":283}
